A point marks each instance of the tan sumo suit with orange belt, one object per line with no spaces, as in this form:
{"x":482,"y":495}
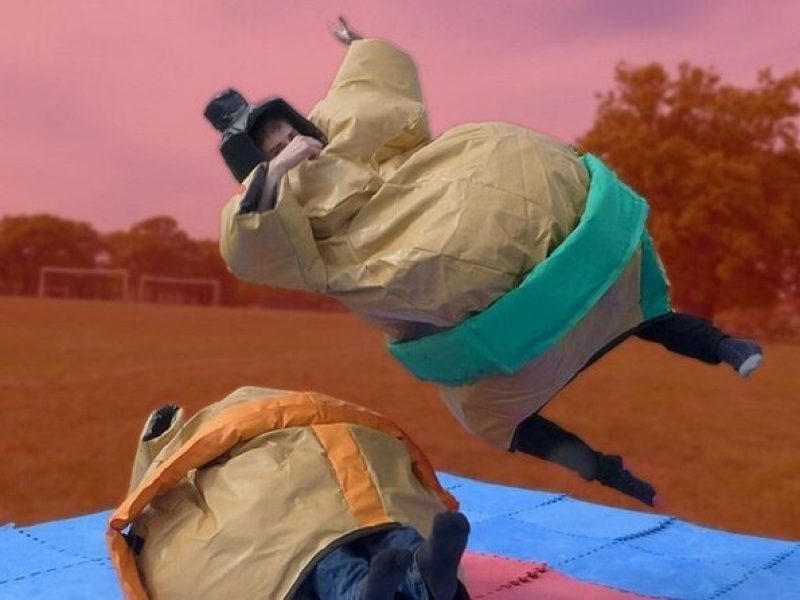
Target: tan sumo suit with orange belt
{"x":241,"y":500}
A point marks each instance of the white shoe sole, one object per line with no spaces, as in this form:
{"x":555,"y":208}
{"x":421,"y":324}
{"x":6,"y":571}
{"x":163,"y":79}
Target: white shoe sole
{"x":750,"y":365}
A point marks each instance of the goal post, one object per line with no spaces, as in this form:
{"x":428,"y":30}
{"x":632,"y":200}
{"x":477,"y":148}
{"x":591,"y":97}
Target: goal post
{"x":180,"y":290}
{"x":87,"y":282}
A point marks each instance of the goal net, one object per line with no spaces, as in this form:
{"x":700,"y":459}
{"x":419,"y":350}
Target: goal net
{"x":74,"y":282}
{"x":179,"y":290}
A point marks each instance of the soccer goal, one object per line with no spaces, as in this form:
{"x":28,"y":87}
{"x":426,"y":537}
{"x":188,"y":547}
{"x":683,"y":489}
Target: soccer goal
{"x":75,"y":282}
{"x":179,"y":290}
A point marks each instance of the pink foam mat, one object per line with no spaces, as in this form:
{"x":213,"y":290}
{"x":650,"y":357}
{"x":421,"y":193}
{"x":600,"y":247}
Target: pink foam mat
{"x":508,"y":579}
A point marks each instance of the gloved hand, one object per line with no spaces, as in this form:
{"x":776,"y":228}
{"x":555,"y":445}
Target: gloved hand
{"x":611,"y":472}
{"x":343,"y":32}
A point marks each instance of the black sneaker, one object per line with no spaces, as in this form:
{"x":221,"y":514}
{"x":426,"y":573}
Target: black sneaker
{"x":611,"y":472}
{"x":744,"y":356}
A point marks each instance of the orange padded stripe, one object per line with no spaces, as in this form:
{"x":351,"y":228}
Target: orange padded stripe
{"x":237,"y":424}
{"x":352,"y":473}
{"x":121,"y":557}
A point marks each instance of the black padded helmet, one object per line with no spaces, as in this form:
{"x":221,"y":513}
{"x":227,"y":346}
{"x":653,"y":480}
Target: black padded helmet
{"x":231,"y":114}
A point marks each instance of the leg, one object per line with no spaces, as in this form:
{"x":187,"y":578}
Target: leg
{"x":341,"y":573}
{"x":401,"y":540}
{"x":698,"y":338}
{"x":388,"y":572}
{"x":354,"y":572}
{"x":433,"y":574}
{"x":684,"y":334}
{"x":439,"y":556}
{"x":544,"y":439}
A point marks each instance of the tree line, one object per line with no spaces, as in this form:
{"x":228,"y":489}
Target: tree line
{"x":719,"y":164}
{"x":155,"y":246}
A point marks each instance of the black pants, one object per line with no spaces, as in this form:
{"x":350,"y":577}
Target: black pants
{"x":678,"y":332}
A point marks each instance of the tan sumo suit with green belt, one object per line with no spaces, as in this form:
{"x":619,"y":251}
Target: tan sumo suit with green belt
{"x":416,"y":235}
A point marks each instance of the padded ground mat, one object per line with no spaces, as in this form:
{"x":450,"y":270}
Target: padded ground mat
{"x":524,"y":544}
{"x":490,"y":577}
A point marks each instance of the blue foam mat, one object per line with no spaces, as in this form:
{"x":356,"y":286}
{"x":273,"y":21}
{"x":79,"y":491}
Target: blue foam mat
{"x":644,"y":553}
{"x":647,"y":554}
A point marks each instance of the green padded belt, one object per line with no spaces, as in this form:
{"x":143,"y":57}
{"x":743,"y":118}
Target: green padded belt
{"x":553,"y":297}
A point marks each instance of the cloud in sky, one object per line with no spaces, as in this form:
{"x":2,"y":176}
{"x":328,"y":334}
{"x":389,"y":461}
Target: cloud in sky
{"x":101,"y":102}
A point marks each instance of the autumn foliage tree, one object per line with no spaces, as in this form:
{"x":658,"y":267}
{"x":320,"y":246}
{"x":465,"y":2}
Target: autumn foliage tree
{"x":720,"y":167}
{"x":29,"y":242}
{"x":156,"y":246}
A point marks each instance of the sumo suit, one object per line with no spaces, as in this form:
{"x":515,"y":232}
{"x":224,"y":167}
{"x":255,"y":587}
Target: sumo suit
{"x":498,"y":261}
{"x":258,"y":496}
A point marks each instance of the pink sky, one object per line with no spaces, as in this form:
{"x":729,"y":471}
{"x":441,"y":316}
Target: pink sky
{"x":101,"y":101}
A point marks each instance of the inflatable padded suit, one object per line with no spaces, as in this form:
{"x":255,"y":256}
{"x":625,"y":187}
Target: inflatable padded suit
{"x":411,"y":233}
{"x":429,"y":238}
{"x":241,"y":500}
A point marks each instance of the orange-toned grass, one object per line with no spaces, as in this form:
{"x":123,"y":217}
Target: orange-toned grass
{"x":78,"y":378}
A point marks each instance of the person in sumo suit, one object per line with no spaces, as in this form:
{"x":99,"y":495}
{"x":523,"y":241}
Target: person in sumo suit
{"x":277,"y":494}
{"x":499,"y":262}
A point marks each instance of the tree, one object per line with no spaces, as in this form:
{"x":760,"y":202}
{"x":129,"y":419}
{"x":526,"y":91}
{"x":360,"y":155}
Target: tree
{"x":156,"y":246}
{"x":29,"y":242}
{"x":720,"y":167}
{"x":211,"y":265}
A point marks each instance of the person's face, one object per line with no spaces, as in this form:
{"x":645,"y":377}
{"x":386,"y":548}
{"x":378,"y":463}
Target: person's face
{"x":276,"y":141}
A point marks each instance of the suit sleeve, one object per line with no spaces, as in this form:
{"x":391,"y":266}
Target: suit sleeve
{"x":374,"y":107}
{"x":372,"y":115}
{"x":274,"y":247}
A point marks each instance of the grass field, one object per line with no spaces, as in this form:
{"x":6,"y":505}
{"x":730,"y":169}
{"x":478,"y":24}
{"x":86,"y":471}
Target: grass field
{"x":78,"y":378}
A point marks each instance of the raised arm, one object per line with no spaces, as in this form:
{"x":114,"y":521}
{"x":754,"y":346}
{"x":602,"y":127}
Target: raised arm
{"x":342,"y":31}
{"x":375,"y":65}
{"x":373,"y":109}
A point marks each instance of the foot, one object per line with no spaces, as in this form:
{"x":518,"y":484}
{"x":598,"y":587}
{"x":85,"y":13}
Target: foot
{"x":611,"y":472}
{"x":744,"y":356}
{"x":439,"y":556}
{"x":386,"y":571}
